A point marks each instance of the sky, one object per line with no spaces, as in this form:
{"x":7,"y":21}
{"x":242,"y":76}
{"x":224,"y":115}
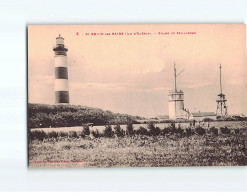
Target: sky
{"x":132,"y":73}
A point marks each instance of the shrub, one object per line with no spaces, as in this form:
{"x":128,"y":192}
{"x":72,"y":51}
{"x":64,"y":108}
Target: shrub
{"x":129,"y":129}
{"x":39,"y":135}
{"x":108,"y":131}
{"x":73,"y":134}
{"x":152,"y":129}
{"x":63,"y":134}
{"x":225,"y":130}
{"x":200,"y":131}
{"x":172,"y":127}
{"x":179,"y":130}
{"x":118,"y":131}
{"x":151,"y":126}
{"x":52,"y":134}
{"x":237,"y":131}
{"x":189,"y":132}
{"x":96,"y":134}
{"x":86,"y":130}
{"x":214,"y":131}
{"x":141,"y":131}
{"x":165,"y":131}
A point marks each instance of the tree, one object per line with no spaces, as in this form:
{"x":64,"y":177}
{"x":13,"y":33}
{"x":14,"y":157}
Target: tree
{"x":86,"y":130}
{"x":152,"y":129}
{"x":225,"y":130}
{"x":130,"y":129}
{"x":108,"y":131}
{"x":118,"y":131}
{"x":214,"y":131}
{"x":200,"y":131}
{"x":142,"y":131}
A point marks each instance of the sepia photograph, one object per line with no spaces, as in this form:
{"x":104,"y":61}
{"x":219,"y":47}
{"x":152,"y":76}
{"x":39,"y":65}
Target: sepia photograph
{"x":140,"y":95}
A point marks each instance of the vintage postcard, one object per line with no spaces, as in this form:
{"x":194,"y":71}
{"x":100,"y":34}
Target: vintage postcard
{"x":137,"y":95}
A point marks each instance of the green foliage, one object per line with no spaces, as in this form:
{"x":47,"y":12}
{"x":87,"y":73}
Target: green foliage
{"x":237,"y":131}
{"x":171,"y":131}
{"x":108,"y":132}
{"x":41,"y":116}
{"x":200,"y":131}
{"x":214,"y":131}
{"x":129,"y":129}
{"x":118,"y":131}
{"x":96,"y":134}
{"x":225,"y":130}
{"x":153,"y":131}
{"x":86,"y":130}
{"x":141,"y":131}
{"x":53,"y":134}
{"x":39,"y":135}
{"x":73,"y":134}
{"x":146,"y":151}
{"x":179,"y":130}
{"x":63,"y":134}
{"x":189,"y":132}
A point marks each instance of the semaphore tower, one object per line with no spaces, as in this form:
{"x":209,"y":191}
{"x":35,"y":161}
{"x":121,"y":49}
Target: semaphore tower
{"x":176,"y":101}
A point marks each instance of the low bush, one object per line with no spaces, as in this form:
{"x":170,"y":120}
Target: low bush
{"x":108,"y":132}
{"x":153,"y":131}
{"x":129,"y":129}
{"x":73,"y":134}
{"x":225,"y":130}
{"x":214,"y":131}
{"x":189,"y":132}
{"x":39,"y":135}
{"x":179,"y":130}
{"x":118,"y":131}
{"x":86,"y":130}
{"x":96,"y":134}
{"x":237,"y":131}
{"x":52,"y":134}
{"x":200,"y":131}
{"x":63,"y":134}
{"x":165,"y":131}
{"x":141,"y":131}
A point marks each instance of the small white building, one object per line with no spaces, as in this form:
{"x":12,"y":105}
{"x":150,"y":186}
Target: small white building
{"x":199,"y":116}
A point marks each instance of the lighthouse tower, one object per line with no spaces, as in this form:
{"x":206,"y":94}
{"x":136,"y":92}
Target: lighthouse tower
{"x":176,"y":101}
{"x":61,"y":72}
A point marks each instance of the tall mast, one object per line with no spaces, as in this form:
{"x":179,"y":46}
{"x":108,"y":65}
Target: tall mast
{"x":175,"y":76}
{"x":220,"y":81}
{"x":221,"y":102}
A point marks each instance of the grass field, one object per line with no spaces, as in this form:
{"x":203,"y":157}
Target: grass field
{"x":139,"y":151}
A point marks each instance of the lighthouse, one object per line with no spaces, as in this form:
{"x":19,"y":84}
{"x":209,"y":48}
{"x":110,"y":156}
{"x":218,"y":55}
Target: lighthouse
{"x":176,"y":101}
{"x":61,"y":72}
